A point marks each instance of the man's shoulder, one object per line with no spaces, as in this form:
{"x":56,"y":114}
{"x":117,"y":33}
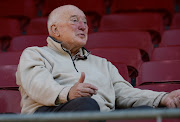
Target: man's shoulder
{"x":35,"y":49}
{"x":98,"y":58}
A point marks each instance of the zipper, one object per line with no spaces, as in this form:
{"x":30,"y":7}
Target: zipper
{"x":72,"y":60}
{"x":65,"y":51}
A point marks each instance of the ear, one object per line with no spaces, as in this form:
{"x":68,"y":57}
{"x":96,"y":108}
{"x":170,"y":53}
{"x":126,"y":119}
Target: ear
{"x":55,"y":30}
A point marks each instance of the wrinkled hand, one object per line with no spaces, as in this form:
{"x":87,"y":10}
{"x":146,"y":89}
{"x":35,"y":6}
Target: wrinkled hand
{"x":81,"y":89}
{"x":171,"y":100}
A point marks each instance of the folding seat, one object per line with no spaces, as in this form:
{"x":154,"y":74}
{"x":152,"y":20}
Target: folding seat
{"x":166,"y":53}
{"x":170,"y":38}
{"x":10,"y":101}
{"x":9,"y":28}
{"x":129,"y":56}
{"x":122,"y":39}
{"x":19,"y":43}
{"x":165,"y":7}
{"x":175,"y":21}
{"x":37,"y":26}
{"x":150,"y":22}
{"x":160,"y":75}
{"x":8,"y":76}
{"x":10,"y":58}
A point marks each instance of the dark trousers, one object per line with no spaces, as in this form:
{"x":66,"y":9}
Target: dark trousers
{"x":78,"y":104}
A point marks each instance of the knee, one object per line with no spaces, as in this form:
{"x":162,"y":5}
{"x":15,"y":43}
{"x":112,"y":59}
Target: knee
{"x":87,"y":104}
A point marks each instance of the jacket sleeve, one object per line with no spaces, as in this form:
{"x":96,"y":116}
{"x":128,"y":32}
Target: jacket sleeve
{"x":36,"y":79}
{"x":128,"y":96}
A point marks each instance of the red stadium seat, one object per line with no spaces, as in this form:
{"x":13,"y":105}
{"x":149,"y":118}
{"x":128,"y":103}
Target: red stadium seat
{"x":10,"y":58}
{"x":8,"y":76}
{"x":9,"y":28}
{"x":159,"y":72}
{"x":122,"y":70}
{"x":37,"y":26}
{"x":171,"y":38}
{"x":123,"y":39}
{"x":10,"y":101}
{"x":166,"y":87}
{"x":21,"y":42}
{"x":143,"y":5}
{"x":175,"y":21}
{"x":129,"y":56}
{"x":165,"y":7}
{"x":151,"y":22}
{"x":18,"y":8}
{"x":166,"y":53}
{"x":159,"y":76}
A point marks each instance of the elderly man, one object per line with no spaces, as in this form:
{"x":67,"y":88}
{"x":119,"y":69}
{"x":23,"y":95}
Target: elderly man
{"x":64,"y":76}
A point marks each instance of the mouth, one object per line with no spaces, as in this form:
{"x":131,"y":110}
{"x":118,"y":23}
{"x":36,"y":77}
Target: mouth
{"x":81,"y":35}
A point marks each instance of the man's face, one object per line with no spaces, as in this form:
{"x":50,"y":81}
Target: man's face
{"x":73,"y":28}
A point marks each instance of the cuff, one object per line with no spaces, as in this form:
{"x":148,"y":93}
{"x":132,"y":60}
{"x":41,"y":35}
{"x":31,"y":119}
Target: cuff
{"x":158,"y":99}
{"x":63,"y":95}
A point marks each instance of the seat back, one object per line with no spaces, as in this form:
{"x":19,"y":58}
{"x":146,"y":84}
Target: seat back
{"x":37,"y":26}
{"x":143,"y":5}
{"x":164,"y":7}
{"x":132,"y":21}
{"x":175,"y":21}
{"x":8,"y":76}
{"x":166,"y":53}
{"x":9,"y":58}
{"x":123,"y":70}
{"x":9,"y":27}
{"x":19,"y":43}
{"x":129,"y":56}
{"x":170,"y":38}
{"x":159,"y":71}
{"x":160,"y":87}
{"x":10,"y":101}
{"x":20,"y":8}
{"x":122,"y":39}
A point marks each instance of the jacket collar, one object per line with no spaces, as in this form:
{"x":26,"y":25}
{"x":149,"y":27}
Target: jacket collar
{"x":82,"y":54}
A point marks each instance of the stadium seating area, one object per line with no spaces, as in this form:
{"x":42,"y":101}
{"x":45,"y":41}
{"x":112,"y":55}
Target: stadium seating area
{"x":140,"y":37}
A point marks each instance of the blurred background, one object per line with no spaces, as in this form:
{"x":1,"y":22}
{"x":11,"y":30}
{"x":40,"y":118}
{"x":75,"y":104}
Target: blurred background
{"x":140,"y":37}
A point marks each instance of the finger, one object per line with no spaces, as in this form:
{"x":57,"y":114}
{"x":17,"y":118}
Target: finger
{"x":171,"y":104}
{"x":82,"y":94}
{"x":87,"y":85}
{"x":88,"y":90}
{"x":177,"y":102}
{"x":81,"y":80}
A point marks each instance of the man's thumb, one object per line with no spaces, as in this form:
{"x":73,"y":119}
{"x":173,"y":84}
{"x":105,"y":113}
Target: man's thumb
{"x":81,"y":80}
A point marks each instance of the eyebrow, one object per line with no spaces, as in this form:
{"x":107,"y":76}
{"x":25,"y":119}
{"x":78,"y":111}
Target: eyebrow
{"x":77,"y":16}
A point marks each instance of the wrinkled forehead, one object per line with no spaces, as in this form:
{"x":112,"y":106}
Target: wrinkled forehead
{"x":71,"y":11}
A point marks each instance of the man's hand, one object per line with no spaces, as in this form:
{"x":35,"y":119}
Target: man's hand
{"x":171,"y":100}
{"x":81,"y":89}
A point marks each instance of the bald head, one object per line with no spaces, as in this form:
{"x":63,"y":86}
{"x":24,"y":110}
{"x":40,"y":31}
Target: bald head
{"x":57,"y":14}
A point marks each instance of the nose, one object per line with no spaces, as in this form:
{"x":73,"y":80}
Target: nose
{"x":82,"y":26}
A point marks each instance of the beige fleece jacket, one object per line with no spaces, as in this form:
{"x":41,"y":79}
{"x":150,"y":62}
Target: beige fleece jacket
{"x":44,"y":73}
